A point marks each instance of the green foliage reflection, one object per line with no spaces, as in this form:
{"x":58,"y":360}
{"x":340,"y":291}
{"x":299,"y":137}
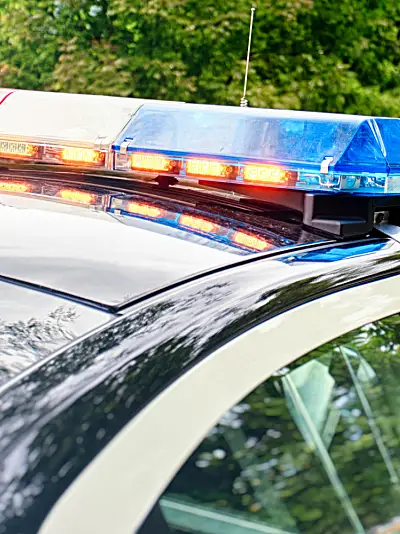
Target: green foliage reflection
{"x":314,"y":449}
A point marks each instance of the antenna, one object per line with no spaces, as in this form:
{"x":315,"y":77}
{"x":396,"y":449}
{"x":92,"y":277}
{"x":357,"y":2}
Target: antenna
{"x":243,"y":101}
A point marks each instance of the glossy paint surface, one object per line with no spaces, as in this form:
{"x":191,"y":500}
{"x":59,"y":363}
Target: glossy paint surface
{"x":60,"y":415}
{"x":35,"y":324}
{"x":105,"y":254}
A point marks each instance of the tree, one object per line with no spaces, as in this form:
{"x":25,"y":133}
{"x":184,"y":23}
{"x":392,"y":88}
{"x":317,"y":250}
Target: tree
{"x":307,"y":54}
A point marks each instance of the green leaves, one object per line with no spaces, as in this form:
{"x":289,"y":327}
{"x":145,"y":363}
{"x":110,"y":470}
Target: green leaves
{"x":307,"y":54}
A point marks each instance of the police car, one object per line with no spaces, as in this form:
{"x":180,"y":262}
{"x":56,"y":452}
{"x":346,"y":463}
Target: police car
{"x":199,"y":327}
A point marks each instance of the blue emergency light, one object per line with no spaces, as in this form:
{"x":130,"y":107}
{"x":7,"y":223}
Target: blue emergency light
{"x":287,"y":149}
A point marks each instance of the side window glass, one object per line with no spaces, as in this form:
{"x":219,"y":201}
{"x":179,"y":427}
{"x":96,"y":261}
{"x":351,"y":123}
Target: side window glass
{"x":314,"y":449}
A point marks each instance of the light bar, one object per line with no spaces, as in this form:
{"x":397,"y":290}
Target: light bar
{"x":300,"y":150}
{"x":61,"y":128}
{"x":255,"y":152}
{"x":256,"y":147}
{"x":51,"y":154}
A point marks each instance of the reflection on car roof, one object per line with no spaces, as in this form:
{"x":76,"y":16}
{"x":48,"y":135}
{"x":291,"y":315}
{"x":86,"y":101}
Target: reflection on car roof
{"x":136,"y":246}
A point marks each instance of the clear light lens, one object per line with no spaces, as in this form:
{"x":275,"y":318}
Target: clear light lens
{"x":209,"y":168}
{"x":13,"y":149}
{"x":82,"y":155}
{"x":151,"y":163}
{"x":264,"y":174}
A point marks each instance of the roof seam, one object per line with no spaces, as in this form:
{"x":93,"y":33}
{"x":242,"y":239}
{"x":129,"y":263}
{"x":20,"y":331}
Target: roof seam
{"x":61,"y":294}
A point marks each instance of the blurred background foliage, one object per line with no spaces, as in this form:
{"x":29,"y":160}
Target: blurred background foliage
{"x":307,"y":54}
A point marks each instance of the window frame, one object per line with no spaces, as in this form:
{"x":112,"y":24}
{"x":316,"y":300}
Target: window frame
{"x":157,"y":434}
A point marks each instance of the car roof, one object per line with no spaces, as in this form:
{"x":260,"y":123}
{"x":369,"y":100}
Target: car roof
{"x":103,"y":254}
{"x":103,"y":380}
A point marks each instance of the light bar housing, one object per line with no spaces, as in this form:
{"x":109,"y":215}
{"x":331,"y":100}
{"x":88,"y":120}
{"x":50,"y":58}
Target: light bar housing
{"x":57,"y":128}
{"x":336,"y":170}
{"x":301,"y":150}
